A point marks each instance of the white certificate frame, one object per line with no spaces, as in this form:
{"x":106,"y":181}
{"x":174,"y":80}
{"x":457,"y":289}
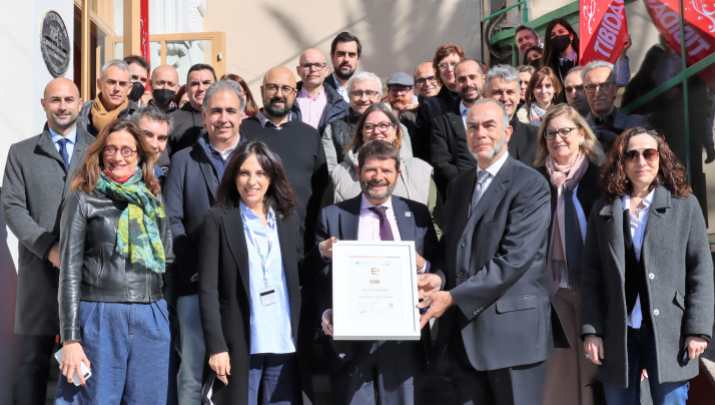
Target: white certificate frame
{"x":375,"y":291}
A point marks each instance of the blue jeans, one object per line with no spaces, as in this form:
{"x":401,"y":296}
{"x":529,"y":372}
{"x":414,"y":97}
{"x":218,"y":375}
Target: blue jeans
{"x":128,"y":348}
{"x":192,"y":350}
{"x":641,"y":354}
{"x":275,"y":378}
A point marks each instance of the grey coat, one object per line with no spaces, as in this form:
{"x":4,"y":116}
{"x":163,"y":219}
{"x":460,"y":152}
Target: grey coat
{"x":413,"y":183}
{"x":679,"y":269}
{"x":34,"y":188}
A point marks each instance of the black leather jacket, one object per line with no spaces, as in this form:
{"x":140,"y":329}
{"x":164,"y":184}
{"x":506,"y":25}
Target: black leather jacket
{"x":91,"y":270}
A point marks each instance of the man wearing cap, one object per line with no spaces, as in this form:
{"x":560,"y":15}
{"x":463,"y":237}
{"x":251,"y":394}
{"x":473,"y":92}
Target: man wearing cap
{"x":401,"y":96}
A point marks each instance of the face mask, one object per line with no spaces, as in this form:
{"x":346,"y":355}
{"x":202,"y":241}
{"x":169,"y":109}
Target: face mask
{"x":137,"y":91}
{"x":560,"y":42}
{"x":163,"y":97}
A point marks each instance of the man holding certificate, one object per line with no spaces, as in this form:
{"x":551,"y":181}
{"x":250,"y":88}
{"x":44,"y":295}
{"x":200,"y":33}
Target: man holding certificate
{"x":366,"y":370}
{"x":495,"y":314}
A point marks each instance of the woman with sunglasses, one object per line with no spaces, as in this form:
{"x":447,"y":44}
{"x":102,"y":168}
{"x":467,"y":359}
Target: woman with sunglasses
{"x":648,"y":276}
{"x":115,"y":245}
{"x":569,"y":156}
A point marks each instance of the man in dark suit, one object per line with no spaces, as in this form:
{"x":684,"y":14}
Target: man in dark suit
{"x":189,"y":192}
{"x":345,"y":53}
{"x":495,"y":311}
{"x":502,"y":84}
{"x":449,"y":151}
{"x":369,"y":370}
{"x":37,"y":178}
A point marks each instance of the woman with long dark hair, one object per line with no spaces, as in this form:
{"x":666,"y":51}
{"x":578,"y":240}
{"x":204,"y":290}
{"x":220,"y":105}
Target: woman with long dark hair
{"x":541,"y":94}
{"x":561,"y":49}
{"x":248,"y":289}
{"x":647,"y":283}
{"x":114,"y":246}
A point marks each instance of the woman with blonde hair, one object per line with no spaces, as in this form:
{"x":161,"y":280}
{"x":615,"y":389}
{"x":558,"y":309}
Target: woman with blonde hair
{"x":569,"y":156}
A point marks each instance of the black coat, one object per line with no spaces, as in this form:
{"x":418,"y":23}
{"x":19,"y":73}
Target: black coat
{"x":450,"y":152}
{"x":224,"y":293}
{"x":522,"y":144}
{"x":429,"y":109}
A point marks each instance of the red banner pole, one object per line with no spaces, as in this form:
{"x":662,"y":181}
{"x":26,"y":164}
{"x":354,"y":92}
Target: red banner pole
{"x":144,"y":30}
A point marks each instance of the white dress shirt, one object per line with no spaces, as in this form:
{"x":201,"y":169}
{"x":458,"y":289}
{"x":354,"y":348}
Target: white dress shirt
{"x":638,"y":223}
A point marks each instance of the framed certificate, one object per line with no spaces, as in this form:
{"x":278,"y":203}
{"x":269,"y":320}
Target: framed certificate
{"x":375,"y":291}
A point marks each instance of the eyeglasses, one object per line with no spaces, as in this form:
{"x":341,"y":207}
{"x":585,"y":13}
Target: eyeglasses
{"x":561,"y":132}
{"x":366,"y":93}
{"x":382,"y":126}
{"x":594,"y":87}
{"x":650,"y":155}
{"x":125,"y":151}
{"x":423,"y":80}
{"x":446,"y":65}
{"x":571,"y":89}
{"x":316,"y":66}
{"x":273,"y":88}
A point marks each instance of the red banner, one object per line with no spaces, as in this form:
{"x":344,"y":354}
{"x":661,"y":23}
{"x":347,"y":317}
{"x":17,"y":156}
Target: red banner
{"x":699,"y":29}
{"x":603,"y":30}
{"x":144,"y":30}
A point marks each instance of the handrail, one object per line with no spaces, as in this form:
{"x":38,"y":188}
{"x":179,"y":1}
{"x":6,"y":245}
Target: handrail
{"x":504,"y":10}
{"x":670,"y":83}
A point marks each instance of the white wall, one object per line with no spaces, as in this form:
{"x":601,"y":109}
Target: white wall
{"x":23,"y":75}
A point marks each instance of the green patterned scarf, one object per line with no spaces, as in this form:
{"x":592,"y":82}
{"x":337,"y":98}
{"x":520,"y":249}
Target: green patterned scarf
{"x":138,"y":236}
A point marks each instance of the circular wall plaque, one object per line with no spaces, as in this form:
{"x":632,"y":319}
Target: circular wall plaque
{"x":55,"y":44}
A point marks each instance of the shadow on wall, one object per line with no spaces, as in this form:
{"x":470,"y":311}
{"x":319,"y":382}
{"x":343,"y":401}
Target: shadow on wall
{"x":8,"y":286}
{"x":419,"y":25}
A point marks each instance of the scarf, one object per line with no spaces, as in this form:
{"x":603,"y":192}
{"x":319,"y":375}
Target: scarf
{"x":562,"y":177}
{"x":138,"y":236}
{"x":101,"y":117}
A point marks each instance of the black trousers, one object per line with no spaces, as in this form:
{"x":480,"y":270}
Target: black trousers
{"x":33,"y":368}
{"x":518,"y":385}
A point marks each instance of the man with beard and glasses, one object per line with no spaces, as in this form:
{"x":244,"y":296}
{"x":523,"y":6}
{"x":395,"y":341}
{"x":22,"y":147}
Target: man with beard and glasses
{"x":386,"y":370}
{"x":502,"y":84}
{"x":494,"y":313}
{"x":450,"y":154}
{"x":298,"y":146}
{"x":37,"y":177}
{"x":316,"y":103}
{"x":189,"y":191}
{"x":188,"y":120}
{"x":345,"y":52}
{"x":164,"y":85}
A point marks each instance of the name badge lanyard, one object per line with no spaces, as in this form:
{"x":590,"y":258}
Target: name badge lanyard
{"x":268,"y":293}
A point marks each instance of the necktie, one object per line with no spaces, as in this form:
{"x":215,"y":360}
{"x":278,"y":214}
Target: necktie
{"x":573,"y":240}
{"x":385,"y":229}
{"x":63,"y":151}
{"x":482,"y":177}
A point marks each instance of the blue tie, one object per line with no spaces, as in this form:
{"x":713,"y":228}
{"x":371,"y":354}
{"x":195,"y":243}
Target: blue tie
{"x":63,"y":151}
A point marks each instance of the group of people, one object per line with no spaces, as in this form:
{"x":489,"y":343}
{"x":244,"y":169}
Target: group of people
{"x":182,"y":248}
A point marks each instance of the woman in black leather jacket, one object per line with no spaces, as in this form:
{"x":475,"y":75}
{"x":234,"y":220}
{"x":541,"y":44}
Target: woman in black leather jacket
{"x":114,"y":248}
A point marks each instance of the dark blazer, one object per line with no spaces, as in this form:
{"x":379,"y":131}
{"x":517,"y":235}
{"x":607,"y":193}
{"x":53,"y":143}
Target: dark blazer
{"x":429,"y":109}
{"x":224,"y":293}
{"x":35,"y":185}
{"x":450,"y":153}
{"x":522,"y":145}
{"x":189,"y":191}
{"x":503,"y":307}
{"x":678,"y":264}
{"x":341,"y":220}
